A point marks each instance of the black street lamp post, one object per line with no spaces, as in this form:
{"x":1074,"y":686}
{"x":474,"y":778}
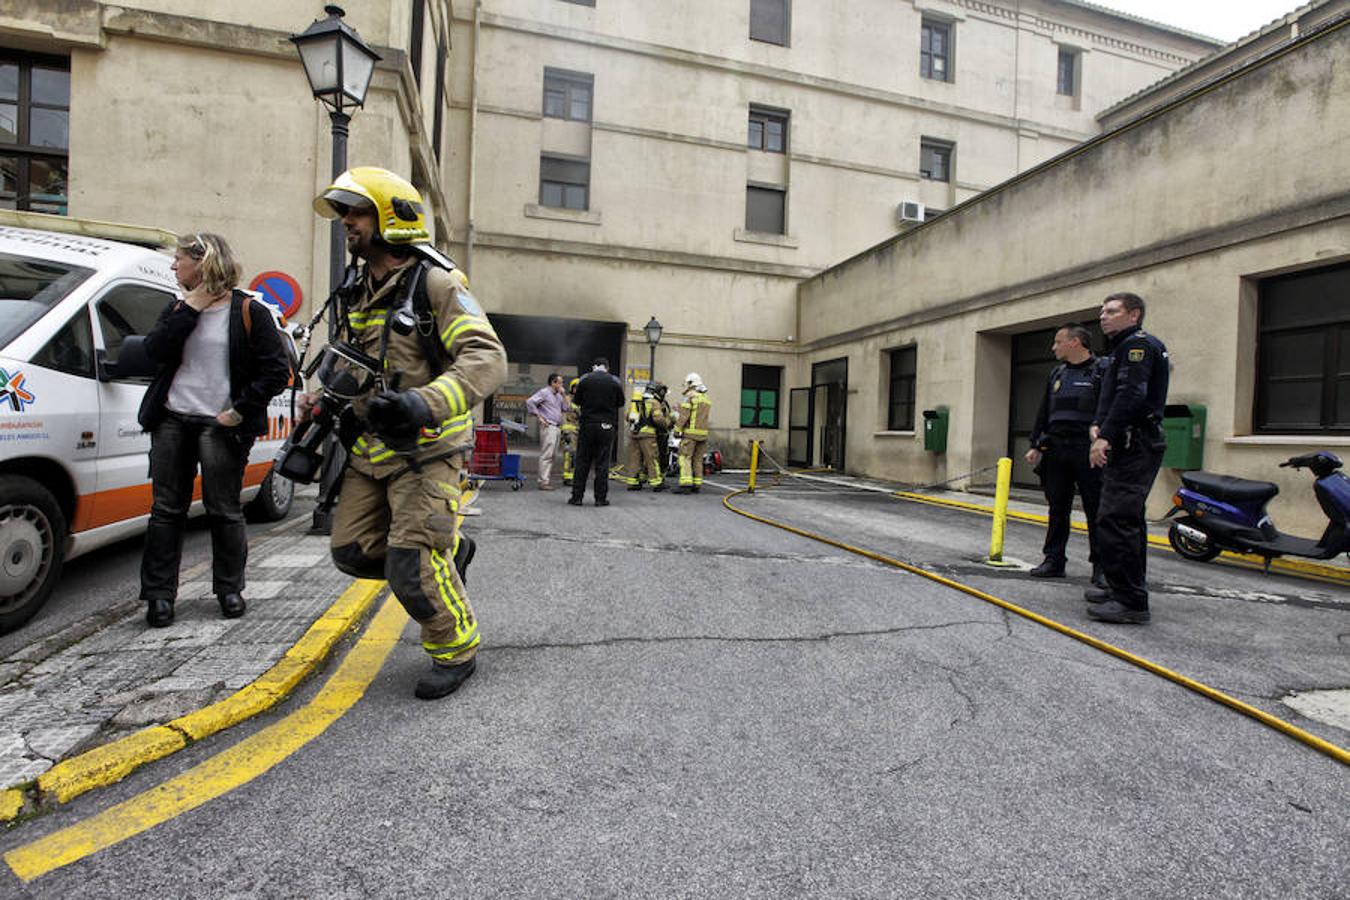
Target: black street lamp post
{"x":653,"y":329}
{"x":339,"y":66}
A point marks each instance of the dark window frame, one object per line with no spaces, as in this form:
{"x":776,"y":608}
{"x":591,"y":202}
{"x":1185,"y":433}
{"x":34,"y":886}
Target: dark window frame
{"x":415,"y":38}
{"x":761,"y":122}
{"x":761,"y":28}
{"x":1066,"y":78}
{"x":568,"y":85}
{"x":761,"y":380}
{"x":580,"y":2}
{"x":750,"y":207}
{"x":22,"y":152}
{"x":937,"y":149}
{"x":566,"y":187}
{"x":1333,"y":327}
{"x":900,"y":413}
{"x":936,"y":65}
{"x":436,"y":117}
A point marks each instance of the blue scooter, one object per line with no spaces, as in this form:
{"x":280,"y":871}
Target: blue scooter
{"x":1220,"y":512}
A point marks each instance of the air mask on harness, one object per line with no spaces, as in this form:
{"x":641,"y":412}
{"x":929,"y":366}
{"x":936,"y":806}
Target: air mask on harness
{"x":344,"y":373}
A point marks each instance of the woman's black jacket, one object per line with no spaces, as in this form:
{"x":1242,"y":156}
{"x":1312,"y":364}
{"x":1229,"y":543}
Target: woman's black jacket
{"x":259,"y":363}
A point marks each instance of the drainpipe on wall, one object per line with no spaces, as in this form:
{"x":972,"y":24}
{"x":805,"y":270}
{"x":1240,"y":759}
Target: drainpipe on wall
{"x":473,"y":139}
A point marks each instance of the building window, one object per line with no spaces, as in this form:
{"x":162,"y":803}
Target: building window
{"x":768,"y":130}
{"x":900,"y":397}
{"x":935,"y":160}
{"x":761,"y":387}
{"x":581,"y":2}
{"x":770,"y":21}
{"x":564,"y":183}
{"x":765,"y":210}
{"x":419,"y":14}
{"x":440,"y":100}
{"x":567,"y":95}
{"x":34,"y":132}
{"x":1067,"y":82}
{"x":1303,"y":352}
{"x":935,"y":50}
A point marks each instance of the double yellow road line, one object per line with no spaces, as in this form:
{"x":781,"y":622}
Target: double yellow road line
{"x":226,"y":770}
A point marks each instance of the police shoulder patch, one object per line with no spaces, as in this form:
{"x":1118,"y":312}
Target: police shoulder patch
{"x":1136,"y":355}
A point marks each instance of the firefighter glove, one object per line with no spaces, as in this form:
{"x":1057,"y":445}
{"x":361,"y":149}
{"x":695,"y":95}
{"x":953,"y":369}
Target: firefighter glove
{"x":398,"y":414}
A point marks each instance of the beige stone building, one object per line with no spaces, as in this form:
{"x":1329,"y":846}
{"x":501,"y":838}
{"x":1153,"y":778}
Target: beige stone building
{"x":695,"y":161}
{"x":196,"y":115}
{"x":1200,"y":200}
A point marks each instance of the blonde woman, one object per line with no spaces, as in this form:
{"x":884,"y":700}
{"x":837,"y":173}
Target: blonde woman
{"x":204,"y":408}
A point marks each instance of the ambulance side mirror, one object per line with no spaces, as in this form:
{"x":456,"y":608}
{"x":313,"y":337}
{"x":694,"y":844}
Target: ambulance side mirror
{"x":132,"y":363}
{"x":105,"y":370}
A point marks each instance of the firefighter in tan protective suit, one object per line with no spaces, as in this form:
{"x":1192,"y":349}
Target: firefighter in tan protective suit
{"x":569,"y":431}
{"x":396,"y":518}
{"x":692,"y":426}
{"x":645,"y":417}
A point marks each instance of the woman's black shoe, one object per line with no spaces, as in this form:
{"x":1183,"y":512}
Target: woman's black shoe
{"x":232,"y":605}
{"x":159,"y":613}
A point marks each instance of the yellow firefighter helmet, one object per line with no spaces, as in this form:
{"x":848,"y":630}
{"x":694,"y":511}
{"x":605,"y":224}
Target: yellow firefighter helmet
{"x":400,"y":214}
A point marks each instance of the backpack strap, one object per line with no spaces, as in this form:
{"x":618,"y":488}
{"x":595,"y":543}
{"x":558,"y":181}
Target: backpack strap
{"x":427,"y":332}
{"x":246,"y":310}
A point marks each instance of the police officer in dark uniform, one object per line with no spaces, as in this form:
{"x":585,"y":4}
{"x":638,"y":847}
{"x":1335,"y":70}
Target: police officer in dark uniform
{"x":1128,"y":445}
{"x":1060,"y":444}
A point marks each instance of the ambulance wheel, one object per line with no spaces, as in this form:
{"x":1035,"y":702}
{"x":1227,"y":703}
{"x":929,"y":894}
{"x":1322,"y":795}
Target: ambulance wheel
{"x":32,"y":548}
{"x":273,"y":502}
{"x":1190,"y":549}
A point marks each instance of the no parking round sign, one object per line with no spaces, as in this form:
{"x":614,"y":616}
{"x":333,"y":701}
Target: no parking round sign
{"x":280,"y":290}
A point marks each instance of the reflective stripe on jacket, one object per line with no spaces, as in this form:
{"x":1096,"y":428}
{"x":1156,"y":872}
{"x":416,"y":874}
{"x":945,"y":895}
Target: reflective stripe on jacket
{"x":694,"y":416}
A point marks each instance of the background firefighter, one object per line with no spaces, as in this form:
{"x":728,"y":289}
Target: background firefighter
{"x":396,"y":515}
{"x":693,"y":429}
{"x":569,"y":432}
{"x":645,"y":418}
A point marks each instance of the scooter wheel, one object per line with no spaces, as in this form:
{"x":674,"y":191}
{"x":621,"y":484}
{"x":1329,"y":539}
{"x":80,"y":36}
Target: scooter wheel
{"x":1188,"y":548}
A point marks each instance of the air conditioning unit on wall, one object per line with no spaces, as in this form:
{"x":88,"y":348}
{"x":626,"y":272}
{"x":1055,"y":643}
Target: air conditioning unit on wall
{"x":909,"y":212}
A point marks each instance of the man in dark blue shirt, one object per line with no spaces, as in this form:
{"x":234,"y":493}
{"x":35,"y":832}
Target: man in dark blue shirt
{"x":1128,"y":445}
{"x":1059,"y":447}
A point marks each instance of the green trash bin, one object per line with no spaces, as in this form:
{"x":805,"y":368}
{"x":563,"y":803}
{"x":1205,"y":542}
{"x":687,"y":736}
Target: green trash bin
{"x":1183,"y":425}
{"x":935,"y":429}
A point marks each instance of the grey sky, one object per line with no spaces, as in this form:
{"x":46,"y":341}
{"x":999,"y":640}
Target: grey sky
{"x":1226,"y":20}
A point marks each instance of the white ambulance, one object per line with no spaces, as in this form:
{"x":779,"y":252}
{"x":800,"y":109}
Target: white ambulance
{"x":74,"y":463}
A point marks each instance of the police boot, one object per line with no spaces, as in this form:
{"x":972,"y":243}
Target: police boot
{"x":463,"y":556}
{"x":1050,"y":568}
{"x":442,"y":681}
{"x":1098,"y":577}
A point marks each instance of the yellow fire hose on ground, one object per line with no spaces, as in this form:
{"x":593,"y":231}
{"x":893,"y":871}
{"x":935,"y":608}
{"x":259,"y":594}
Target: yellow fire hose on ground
{"x":1337,"y":753}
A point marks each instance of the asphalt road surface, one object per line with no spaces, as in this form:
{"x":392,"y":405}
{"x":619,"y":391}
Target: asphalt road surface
{"x":674,"y":701}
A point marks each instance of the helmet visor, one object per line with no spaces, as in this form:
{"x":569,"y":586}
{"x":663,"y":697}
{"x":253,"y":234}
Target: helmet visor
{"x":334,"y":203}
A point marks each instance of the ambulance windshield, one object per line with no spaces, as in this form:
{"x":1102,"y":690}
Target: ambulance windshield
{"x":29,"y":288}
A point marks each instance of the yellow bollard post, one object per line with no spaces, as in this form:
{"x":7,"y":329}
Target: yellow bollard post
{"x":1000,"y":511}
{"x":754,"y":463}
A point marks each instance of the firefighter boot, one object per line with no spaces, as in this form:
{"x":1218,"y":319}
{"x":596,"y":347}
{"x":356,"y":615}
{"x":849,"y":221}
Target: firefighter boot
{"x":442,"y":681}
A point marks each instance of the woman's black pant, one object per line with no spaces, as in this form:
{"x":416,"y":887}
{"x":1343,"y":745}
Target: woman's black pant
{"x":178,"y":445}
